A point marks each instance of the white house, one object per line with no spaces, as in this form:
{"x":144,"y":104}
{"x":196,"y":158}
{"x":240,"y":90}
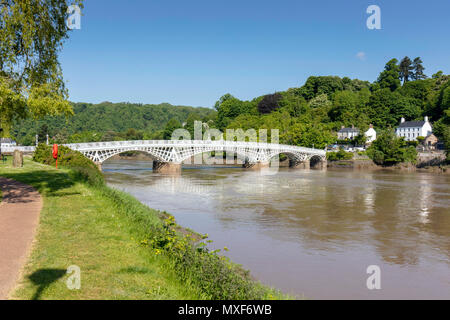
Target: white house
{"x":348,"y":133}
{"x":7,"y":142}
{"x":411,"y":130}
{"x":371,"y":134}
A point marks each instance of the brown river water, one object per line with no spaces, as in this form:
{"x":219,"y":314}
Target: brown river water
{"x":313,"y":233}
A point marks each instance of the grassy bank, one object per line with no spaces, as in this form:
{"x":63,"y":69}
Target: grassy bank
{"x":124,"y":249}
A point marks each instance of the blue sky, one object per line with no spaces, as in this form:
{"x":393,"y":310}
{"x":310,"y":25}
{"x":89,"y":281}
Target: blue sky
{"x":192,"y":52}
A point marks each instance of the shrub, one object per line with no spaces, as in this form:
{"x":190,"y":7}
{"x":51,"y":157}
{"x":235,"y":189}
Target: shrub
{"x":82,"y":168}
{"x":362,"y":153}
{"x":340,"y":155}
{"x":389,"y":149}
{"x":214,"y":275}
{"x":414,"y":143}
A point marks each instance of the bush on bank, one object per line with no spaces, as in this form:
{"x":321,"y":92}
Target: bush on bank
{"x":213,"y":275}
{"x":82,"y":168}
{"x":389,"y":150}
{"x":340,"y":155}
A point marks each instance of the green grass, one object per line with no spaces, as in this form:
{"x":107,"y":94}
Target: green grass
{"x":79,"y":226}
{"x":101,"y":230}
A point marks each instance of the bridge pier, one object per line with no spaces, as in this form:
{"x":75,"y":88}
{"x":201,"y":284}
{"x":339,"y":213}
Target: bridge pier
{"x":256,"y":166}
{"x":99,"y":165}
{"x":166,"y":167}
{"x":299,"y":165}
{"x":321,"y":165}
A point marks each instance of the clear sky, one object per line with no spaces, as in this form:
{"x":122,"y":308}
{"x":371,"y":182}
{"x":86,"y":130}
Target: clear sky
{"x":192,"y":52}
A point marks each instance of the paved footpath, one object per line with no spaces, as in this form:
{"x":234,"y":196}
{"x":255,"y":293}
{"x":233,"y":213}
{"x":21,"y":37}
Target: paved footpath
{"x":19,"y":218}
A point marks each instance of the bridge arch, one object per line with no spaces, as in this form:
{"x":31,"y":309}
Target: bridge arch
{"x":242,"y":154}
{"x":102,"y":156}
{"x":296,"y":157}
{"x":317,"y":162}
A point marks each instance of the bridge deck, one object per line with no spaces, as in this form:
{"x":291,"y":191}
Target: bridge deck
{"x":177,"y":151}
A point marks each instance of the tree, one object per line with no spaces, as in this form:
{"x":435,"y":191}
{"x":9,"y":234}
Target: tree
{"x":42,"y":134}
{"x":389,"y":149}
{"x":31,"y":36}
{"x":320,"y":101}
{"x":340,"y":155}
{"x":317,"y":136}
{"x":230,"y":108}
{"x":379,"y":109}
{"x":418,"y":69}
{"x":438,"y":74}
{"x":389,"y":78}
{"x":171,"y":126}
{"x":315,"y":86}
{"x":190,"y":124}
{"x":269,"y":103}
{"x":360,"y":140}
{"x":133,"y":134}
{"x":406,"y":69}
{"x":345,"y":104}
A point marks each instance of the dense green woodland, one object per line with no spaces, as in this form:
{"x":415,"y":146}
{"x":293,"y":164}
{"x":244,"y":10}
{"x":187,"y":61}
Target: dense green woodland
{"x":107,"y":122}
{"x":312,"y":114}
{"x":306,"y":116}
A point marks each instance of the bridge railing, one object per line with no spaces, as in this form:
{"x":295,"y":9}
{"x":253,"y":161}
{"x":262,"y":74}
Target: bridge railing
{"x":184,"y":143}
{"x":20,"y":148}
{"x":172,"y":143}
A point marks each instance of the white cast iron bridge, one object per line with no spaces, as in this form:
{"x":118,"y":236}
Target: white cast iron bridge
{"x":179,"y":151}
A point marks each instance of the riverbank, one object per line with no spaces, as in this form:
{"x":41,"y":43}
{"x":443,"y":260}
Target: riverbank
{"x":124,"y":249}
{"x":364,"y":164}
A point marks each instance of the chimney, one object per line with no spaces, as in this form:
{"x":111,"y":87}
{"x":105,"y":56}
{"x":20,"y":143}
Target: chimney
{"x":403,"y":120}
{"x":426,"y":119}
{"x":343,"y":127}
{"x":353,"y":126}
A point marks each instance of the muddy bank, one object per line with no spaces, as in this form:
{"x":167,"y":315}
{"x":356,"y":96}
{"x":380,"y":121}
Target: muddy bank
{"x":370,"y":165}
{"x":356,"y":164}
{"x":132,"y":156}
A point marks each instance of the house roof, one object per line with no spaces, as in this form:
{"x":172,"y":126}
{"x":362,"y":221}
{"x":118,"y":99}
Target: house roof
{"x":343,"y":130}
{"x":431,"y":135}
{"x":412,"y":124}
{"x":7,"y":140}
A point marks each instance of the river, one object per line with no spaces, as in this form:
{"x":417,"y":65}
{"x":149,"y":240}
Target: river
{"x":312,"y":233}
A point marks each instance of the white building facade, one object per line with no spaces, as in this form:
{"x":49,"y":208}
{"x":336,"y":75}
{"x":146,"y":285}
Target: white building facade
{"x":348,"y":133}
{"x":411,"y":130}
{"x":7,"y":142}
{"x":371,"y":135}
